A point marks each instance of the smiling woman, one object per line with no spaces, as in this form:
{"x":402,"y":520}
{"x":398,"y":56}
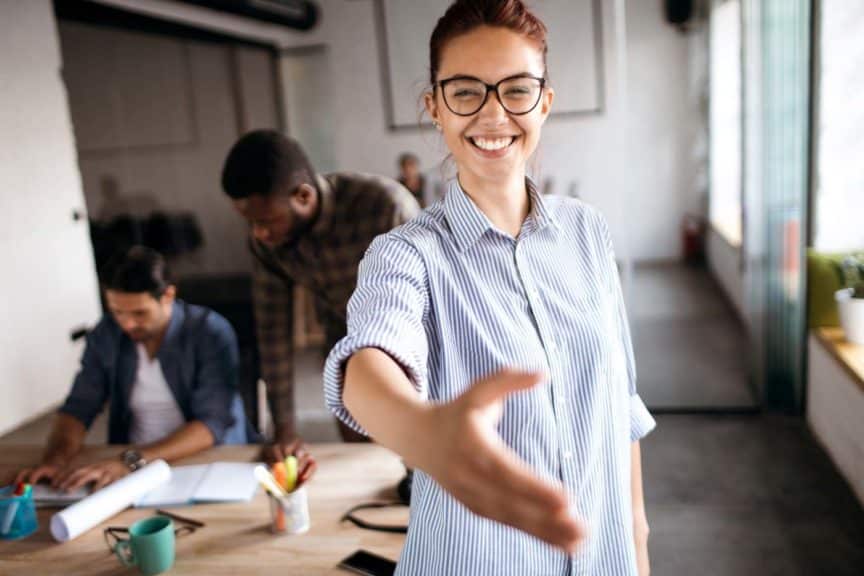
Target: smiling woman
{"x":491,"y":138}
{"x":487,"y":340}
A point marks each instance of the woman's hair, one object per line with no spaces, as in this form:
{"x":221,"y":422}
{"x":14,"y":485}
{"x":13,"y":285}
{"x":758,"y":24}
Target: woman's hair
{"x":464,"y":16}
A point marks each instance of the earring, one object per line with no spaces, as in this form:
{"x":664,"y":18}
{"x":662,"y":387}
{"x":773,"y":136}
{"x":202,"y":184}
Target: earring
{"x":437,"y":125}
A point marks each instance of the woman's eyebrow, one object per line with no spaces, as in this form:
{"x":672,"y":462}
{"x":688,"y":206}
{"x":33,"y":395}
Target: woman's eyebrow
{"x":469,"y":77}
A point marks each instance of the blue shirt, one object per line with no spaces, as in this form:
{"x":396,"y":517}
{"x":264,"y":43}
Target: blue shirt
{"x":199,"y":359}
{"x":453,"y":300}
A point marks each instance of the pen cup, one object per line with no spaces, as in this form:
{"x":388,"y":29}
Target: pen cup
{"x":17,"y":514}
{"x":290,"y":514}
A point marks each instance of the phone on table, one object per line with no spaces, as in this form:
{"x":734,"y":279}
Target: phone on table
{"x":368,"y":564}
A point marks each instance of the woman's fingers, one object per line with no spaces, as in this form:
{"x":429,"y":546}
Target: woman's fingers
{"x":497,"y":386}
{"x":513,"y":495}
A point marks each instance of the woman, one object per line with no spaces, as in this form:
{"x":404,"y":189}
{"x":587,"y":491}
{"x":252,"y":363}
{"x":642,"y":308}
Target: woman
{"x":487,"y":341}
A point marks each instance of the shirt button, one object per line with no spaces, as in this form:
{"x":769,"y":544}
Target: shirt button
{"x":568,"y":455}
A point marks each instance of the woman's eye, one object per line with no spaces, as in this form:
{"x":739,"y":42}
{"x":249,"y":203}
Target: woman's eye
{"x":465,"y":93}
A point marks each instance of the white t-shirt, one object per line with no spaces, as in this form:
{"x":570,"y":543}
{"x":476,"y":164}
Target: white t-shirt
{"x":155,"y":413}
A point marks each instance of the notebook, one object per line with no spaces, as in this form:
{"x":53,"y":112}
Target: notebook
{"x":216,"y":482}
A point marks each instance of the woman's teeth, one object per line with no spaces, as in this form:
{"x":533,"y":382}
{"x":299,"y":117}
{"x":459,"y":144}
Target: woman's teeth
{"x":493,"y":144}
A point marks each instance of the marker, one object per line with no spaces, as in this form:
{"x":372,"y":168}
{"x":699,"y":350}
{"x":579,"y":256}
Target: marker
{"x":290,"y":473}
{"x":268,"y":482}
{"x":279,"y":475}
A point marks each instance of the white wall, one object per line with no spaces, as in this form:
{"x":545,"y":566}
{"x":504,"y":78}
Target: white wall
{"x":835,"y":405}
{"x":724,"y":261}
{"x":585,"y":151}
{"x":581,"y":153}
{"x":49,"y":282}
{"x":664,"y":127}
{"x":155,"y":117}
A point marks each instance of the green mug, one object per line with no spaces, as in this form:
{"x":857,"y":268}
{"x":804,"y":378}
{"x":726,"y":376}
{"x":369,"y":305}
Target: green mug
{"x":150,"y":546}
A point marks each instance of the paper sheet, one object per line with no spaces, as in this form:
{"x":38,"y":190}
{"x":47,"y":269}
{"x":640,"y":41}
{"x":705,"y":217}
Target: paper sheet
{"x":80,"y":517}
{"x":180,"y":491}
{"x":227,"y":482}
{"x":216,"y":482}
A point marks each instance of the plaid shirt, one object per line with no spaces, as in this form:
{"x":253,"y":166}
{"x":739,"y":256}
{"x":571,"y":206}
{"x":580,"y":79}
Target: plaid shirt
{"x":355,"y":208}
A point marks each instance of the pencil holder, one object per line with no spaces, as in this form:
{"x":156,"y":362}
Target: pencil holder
{"x":290,"y":514}
{"x":17,"y":514}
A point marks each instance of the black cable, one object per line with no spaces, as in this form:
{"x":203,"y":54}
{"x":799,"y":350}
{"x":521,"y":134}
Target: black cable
{"x":350,"y":517}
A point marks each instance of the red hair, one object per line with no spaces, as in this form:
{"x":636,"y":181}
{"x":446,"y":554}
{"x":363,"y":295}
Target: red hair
{"x":464,"y":16}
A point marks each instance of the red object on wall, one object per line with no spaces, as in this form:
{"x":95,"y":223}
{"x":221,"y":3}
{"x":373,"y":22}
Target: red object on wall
{"x":693,"y":239}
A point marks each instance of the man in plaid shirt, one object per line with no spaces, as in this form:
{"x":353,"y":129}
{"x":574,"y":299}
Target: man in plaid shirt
{"x":309,"y":229}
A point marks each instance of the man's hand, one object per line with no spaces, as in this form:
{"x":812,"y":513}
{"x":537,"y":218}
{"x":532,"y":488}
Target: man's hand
{"x":100,"y":474}
{"x":462,"y":451}
{"x":44,"y":471}
{"x":285,"y":445}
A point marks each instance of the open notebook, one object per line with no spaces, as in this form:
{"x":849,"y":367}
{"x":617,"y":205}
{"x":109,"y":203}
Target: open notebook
{"x":216,"y":482}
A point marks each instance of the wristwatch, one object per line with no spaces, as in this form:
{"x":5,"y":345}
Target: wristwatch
{"x":132,"y":459}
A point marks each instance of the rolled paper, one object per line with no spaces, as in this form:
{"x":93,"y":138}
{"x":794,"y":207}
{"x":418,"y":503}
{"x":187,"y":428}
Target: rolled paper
{"x":101,"y":505}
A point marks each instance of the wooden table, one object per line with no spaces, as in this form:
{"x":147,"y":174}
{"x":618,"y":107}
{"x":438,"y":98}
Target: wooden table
{"x":237,"y":537}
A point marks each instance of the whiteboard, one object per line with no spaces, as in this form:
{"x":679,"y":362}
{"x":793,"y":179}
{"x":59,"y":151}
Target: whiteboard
{"x":575,"y":59}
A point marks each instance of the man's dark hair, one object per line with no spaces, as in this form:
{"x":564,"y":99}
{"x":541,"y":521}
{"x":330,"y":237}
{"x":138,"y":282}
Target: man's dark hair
{"x":264,"y":162}
{"x":137,"y":269}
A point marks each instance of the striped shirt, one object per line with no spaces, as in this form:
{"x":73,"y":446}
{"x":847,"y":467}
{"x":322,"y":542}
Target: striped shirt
{"x":355,"y":208}
{"x":453,"y":299}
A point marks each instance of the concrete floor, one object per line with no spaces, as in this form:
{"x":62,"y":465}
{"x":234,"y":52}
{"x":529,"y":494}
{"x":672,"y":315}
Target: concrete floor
{"x":742,"y":495}
{"x":691,"y":349}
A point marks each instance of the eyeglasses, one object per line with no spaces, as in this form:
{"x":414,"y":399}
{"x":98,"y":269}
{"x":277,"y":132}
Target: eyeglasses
{"x":465,"y":95}
{"x":114,"y":534}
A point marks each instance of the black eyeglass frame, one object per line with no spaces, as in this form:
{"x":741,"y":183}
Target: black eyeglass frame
{"x":491,"y":88}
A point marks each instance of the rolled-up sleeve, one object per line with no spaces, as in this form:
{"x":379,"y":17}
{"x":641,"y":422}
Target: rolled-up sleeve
{"x":641,"y":421}
{"x":216,"y":379}
{"x":387,"y":311}
{"x":90,"y":388}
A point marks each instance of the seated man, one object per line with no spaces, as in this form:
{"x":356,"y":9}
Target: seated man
{"x":167,"y":369}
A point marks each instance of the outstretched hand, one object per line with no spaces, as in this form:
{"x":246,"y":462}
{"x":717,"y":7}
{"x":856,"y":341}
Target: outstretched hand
{"x":465,"y":455}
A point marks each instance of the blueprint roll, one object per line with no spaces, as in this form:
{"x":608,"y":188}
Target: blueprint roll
{"x":87,"y":513}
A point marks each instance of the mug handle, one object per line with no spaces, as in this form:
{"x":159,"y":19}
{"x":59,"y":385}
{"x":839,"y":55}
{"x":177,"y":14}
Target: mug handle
{"x":123,"y":551}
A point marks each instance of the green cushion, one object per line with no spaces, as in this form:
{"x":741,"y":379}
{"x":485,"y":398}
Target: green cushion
{"x":824,"y":278}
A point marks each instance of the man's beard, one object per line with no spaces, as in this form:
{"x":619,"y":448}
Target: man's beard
{"x":140,"y":335}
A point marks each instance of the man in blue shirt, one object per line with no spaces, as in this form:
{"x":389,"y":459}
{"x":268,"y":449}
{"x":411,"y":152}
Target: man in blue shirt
{"x":167,"y":369}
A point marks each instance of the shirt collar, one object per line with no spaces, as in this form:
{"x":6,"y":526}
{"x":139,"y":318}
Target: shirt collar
{"x":468,"y":223}
{"x":172,"y":335}
{"x":325,"y":206}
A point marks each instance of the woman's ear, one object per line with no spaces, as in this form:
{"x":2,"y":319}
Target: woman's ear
{"x":432,"y":107}
{"x":546,"y":101}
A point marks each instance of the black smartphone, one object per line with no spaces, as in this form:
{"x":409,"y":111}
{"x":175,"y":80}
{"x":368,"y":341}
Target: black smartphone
{"x":368,"y":564}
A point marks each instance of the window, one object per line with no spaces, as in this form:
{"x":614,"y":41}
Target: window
{"x":839,"y":203}
{"x":725,"y":120}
